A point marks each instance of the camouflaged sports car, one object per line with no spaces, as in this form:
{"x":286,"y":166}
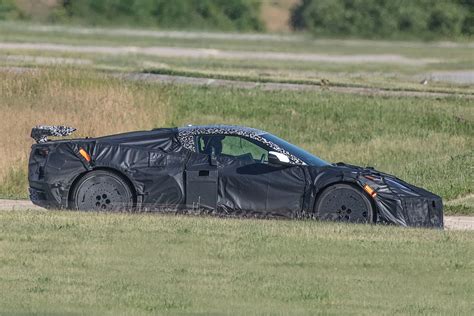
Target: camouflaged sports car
{"x":224,"y":170}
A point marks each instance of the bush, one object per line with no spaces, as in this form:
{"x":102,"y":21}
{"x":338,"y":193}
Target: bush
{"x":8,"y":10}
{"x":386,"y":18}
{"x":242,"y":15}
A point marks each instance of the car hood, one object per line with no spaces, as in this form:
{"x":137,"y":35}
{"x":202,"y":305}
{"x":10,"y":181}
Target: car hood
{"x":379,"y":179}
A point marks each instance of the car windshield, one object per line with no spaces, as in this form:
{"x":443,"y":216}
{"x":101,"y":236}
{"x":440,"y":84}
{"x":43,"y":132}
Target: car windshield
{"x":302,"y":154}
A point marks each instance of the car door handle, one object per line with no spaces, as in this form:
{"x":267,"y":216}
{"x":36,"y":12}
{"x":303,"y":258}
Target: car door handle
{"x":204,"y":173}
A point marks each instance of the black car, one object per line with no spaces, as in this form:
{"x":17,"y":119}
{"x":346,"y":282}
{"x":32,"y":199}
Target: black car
{"x":225,"y":170}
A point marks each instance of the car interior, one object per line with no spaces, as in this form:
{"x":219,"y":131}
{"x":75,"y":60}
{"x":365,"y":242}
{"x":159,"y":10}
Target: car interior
{"x":231,"y":146}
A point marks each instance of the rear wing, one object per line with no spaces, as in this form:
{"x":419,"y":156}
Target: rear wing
{"x":40,"y":133}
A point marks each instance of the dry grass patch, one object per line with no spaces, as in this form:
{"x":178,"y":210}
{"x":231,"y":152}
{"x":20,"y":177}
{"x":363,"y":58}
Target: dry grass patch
{"x":95,"y":104}
{"x":276,"y":14}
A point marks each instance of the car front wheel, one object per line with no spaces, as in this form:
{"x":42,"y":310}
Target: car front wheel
{"x":344,"y":203}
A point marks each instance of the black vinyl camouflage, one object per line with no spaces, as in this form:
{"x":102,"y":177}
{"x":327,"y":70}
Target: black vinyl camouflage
{"x":166,"y":173}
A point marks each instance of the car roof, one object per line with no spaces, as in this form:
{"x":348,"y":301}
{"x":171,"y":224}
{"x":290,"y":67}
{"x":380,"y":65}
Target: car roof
{"x":217,"y":129}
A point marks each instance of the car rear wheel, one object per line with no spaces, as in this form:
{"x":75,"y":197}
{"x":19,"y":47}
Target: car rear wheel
{"x":102,"y":191}
{"x":344,"y":203}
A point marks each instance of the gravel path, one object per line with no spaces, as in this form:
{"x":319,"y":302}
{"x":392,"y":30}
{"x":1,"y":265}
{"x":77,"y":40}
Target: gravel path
{"x":230,"y":36}
{"x":268,"y":86}
{"x":461,"y":76}
{"x":183,"y":52}
{"x":459,"y":222}
{"x":283,"y":86}
{"x":450,"y":222}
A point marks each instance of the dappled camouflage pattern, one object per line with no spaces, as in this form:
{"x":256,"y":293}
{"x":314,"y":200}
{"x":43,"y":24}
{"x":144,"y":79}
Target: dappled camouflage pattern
{"x":40,"y":133}
{"x":186,"y":137}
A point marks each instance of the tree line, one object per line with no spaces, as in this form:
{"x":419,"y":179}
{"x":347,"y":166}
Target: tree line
{"x":395,"y":19}
{"x":386,"y":18}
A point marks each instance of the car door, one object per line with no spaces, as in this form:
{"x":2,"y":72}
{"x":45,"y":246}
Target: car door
{"x":247,"y":183}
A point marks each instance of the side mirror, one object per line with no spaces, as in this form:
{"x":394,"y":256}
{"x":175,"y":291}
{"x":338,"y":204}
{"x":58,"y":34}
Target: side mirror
{"x":278,"y":158}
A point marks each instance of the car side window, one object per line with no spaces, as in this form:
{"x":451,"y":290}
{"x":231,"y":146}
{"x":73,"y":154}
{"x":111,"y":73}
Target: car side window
{"x":234,"y":146}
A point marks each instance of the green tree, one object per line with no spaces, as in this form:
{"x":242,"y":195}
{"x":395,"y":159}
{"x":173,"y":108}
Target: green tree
{"x":385,"y":18}
{"x":200,"y":14}
{"x":8,"y":10}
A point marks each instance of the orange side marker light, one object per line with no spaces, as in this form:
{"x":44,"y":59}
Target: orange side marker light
{"x":84,"y":154}
{"x":369,"y":190}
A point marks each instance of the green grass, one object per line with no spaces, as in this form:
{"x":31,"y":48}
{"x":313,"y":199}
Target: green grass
{"x":93,"y":263}
{"x":326,"y":79}
{"x":302,"y":43}
{"x":426,"y":141}
{"x":463,"y":205}
{"x":381,"y":76}
{"x":457,"y":56}
{"x":69,"y":262}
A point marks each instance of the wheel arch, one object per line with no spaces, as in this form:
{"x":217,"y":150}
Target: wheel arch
{"x":115,"y":171}
{"x":356,"y":186}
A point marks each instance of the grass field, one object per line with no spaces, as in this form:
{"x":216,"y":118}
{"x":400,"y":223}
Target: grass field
{"x":425,"y":141}
{"x":420,"y":60}
{"x":55,"y":262}
{"x":301,"y":43}
{"x":68,"y":262}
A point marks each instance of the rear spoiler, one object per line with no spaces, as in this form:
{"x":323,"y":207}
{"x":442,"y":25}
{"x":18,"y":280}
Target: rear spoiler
{"x":40,"y":133}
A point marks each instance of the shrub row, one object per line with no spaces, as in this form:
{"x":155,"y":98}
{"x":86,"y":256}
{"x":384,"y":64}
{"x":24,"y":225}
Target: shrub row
{"x":355,"y":18}
{"x":386,"y":18}
{"x":8,"y":10}
{"x":240,"y":15}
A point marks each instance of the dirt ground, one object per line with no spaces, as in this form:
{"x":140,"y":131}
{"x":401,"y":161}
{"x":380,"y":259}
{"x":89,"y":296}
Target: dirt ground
{"x":450,"y":222}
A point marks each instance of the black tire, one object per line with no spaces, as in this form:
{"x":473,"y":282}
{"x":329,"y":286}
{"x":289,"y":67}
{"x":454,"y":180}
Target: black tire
{"x":344,"y":203}
{"x":102,"y":190}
